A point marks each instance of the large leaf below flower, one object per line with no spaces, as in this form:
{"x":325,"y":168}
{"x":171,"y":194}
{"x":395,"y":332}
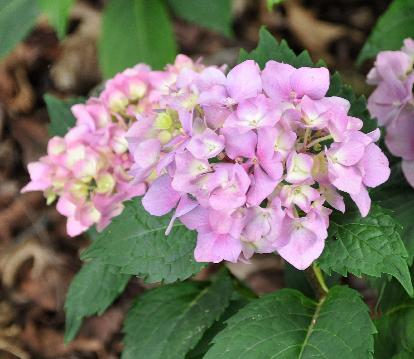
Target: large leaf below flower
{"x":167,"y":322}
{"x":136,"y":242}
{"x":91,"y":292}
{"x":286,"y":324}
{"x":370,"y":245}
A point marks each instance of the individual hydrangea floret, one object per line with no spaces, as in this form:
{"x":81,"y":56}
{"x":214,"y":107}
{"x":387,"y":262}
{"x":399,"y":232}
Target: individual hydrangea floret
{"x":392,"y":102}
{"x":254,"y":161}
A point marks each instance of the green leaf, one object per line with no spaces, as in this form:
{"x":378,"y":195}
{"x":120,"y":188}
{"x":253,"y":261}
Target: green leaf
{"x":296,"y":279}
{"x":61,"y":117}
{"x":58,"y":13}
{"x":167,"y":322}
{"x":272,"y":3}
{"x":370,"y":245}
{"x":135,"y":242}
{"x":395,"y":332}
{"x":17,"y":18}
{"x":213,"y":14}
{"x":135,"y":31}
{"x":396,"y":24}
{"x":238,"y":301}
{"x":91,"y":292}
{"x":286,"y":324}
{"x":398,"y":196}
{"x":269,"y":49}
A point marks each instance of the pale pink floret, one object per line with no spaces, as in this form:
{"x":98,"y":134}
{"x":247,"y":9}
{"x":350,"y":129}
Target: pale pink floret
{"x":304,"y":239}
{"x":283,"y":82}
{"x":299,"y":168}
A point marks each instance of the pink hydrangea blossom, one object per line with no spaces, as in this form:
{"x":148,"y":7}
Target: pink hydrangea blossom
{"x":89,"y":171}
{"x":392,"y":102}
{"x":253,"y":160}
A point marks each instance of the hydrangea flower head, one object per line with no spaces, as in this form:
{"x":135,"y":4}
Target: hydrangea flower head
{"x":254,"y":161}
{"x":88,"y":170}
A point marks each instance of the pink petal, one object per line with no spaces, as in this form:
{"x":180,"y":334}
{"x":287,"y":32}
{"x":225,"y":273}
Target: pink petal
{"x":313,"y":82}
{"x":299,"y":167}
{"x":211,"y":76}
{"x":362,"y":200}
{"x":185,"y":205}
{"x":212,"y":247}
{"x":196,"y":218}
{"x":400,"y":136}
{"x":347,"y":153}
{"x":262,"y":186}
{"x":66,"y":207}
{"x":147,"y":153}
{"x":302,"y":248}
{"x":276,"y":80}
{"x":160,"y":197}
{"x":206,"y":145}
{"x":239,"y":144}
{"x":375,"y":166}
{"x":347,"y":179}
{"x":75,"y":227}
{"x":244,"y":81}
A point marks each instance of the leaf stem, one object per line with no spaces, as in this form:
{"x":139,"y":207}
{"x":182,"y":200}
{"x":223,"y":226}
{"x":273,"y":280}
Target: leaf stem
{"x":317,"y":281}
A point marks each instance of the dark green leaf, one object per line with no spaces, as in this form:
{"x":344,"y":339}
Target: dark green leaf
{"x":91,"y":292}
{"x":269,"y":49}
{"x":135,"y":31}
{"x":286,"y":324}
{"x":61,"y":117}
{"x":17,"y":18}
{"x":370,"y":245}
{"x":167,"y":322}
{"x":213,"y":14}
{"x":398,"y":196}
{"x":395,"y":332}
{"x":296,"y":279}
{"x":396,"y":24}
{"x":135,"y":242}
{"x":57,"y":13}
{"x":238,"y":301}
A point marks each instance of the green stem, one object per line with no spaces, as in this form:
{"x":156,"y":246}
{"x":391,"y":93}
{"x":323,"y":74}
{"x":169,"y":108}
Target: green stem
{"x":318,"y":140}
{"x":306,"y":137}
{"x":320,"y":278}
{"x":317,"y":281}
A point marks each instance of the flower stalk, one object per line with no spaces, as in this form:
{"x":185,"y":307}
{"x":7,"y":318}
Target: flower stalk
{"x":317,"y":281}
